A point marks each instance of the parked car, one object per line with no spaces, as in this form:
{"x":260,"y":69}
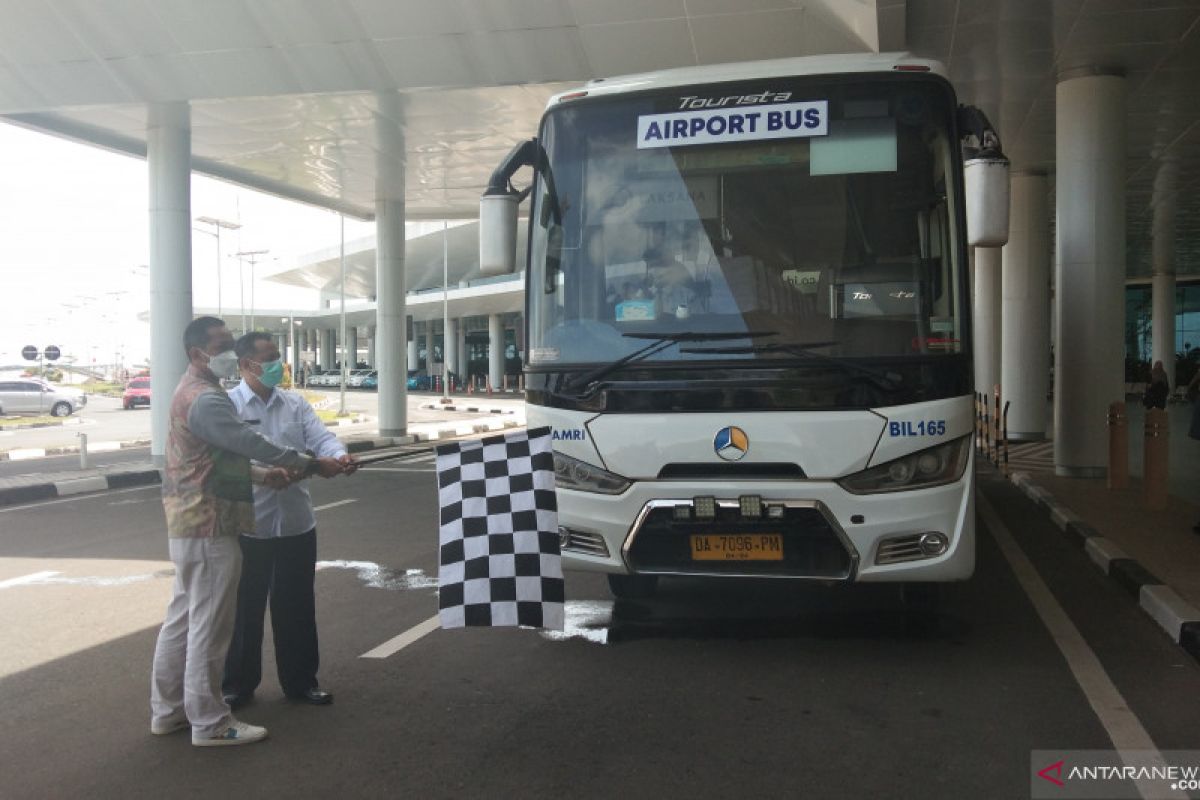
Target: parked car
{"x":418,"y":382}
{"x":28,"y":396}
{"x":137,"y":393}
{"x":321,"y":378}
{"x":371,"y":381}
{"x":356,"y":377}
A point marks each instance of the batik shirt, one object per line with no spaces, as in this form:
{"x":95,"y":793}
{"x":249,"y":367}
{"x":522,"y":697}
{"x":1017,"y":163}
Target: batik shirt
{"x":206,"y":484}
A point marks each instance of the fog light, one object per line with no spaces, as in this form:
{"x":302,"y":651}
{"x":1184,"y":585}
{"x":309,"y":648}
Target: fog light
{"x":775,"y":512}
{"x":564,"y":538}
{"x":933,"y":544}
{"x":751,"y":506}
{"x":683,"y":513}
{"x":705,"y":507}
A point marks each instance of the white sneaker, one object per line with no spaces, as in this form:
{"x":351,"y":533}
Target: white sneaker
{"x":235,"y":733}
{"x":169,"y":725}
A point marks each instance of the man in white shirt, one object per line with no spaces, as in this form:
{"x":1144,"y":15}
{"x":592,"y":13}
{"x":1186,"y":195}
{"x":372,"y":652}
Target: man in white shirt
{"x":279,"y":558}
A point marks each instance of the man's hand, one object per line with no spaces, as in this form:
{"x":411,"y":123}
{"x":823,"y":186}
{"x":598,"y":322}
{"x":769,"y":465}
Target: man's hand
{"x":328,"y":467}
{"x":349,"y":464}
{"x":277,"y":478}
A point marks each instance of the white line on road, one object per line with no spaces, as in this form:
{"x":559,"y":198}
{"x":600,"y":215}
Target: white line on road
{"x":1122,"y":725}
{"x":425,"y":470}
{"x":155,"y":487}
{"x":336,"y":504}
{"x":24,"y":579}
{"x":398,"y":643}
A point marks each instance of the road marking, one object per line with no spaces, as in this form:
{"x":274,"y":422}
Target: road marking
{"x":425,"y":470}
{"x":1118,"y":719}
{"x":24,"y":579}
{"x":336,"y":504}
{"x":5,"y":510}
{"x":398,"y":643}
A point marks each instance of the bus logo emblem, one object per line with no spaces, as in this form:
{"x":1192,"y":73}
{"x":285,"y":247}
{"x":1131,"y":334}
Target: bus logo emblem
{"x":731,"y":443}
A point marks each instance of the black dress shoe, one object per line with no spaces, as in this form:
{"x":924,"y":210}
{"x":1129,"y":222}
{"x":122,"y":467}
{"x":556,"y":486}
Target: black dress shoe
{"x":236,"y":701}
{"x":314,"y":696}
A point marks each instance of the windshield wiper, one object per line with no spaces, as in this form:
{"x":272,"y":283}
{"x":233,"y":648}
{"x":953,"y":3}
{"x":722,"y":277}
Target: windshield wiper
{"x":659,"y":342}
{"x":889,"y":380}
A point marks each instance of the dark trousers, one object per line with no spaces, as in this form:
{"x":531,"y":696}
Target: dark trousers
{"x":282,"y":570}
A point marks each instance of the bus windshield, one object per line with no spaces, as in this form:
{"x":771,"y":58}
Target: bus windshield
{"x":839,"y":238}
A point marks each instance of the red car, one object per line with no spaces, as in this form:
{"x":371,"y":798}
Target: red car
{"x":137,"y":393}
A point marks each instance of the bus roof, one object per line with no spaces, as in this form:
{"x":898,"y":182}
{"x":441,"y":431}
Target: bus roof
{"x":751,"y":70}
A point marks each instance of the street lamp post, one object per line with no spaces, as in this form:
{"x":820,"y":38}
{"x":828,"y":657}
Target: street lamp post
{"x":342,"y":259}
{"x":252,"y":256}
{"x":446,"y":312}
{"x":217,"y":224}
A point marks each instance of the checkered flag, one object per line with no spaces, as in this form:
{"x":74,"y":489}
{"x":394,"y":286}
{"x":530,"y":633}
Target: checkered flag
{"x":499,"y":562}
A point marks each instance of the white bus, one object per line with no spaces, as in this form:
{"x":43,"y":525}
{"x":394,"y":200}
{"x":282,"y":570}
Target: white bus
{"x":748,"y":318}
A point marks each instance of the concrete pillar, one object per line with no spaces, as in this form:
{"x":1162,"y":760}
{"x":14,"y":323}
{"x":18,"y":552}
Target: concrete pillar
{"x":169,"y":167}
{"x":371,"y":347}
{"x":1025,"y":330}
{"x":987,"y":314}
{"x":449,"y":342}
{"x":496,"y":350}
{"x":429,"y":347}
{"x":460,"y":348}
{"x":389,"y":264}
{"x":414,"y":355}
{"x":328,"y":348}
{"x":352,"y":346}
{"x":1162,"y":319}
{"x":1089,"y":268}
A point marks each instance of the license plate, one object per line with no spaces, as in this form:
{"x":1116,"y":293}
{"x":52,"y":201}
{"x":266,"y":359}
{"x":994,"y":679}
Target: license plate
{"x":737,"y":547}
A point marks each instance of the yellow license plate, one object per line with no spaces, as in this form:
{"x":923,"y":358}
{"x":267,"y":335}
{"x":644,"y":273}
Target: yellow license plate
{"x":737,"y":547}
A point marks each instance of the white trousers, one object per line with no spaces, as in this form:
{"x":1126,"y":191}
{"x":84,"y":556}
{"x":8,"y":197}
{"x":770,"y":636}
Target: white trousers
{"x":190,"y":655}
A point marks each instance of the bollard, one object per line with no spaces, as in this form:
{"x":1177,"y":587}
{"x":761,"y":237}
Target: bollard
{"x":1118,"y":446}
{"x":83,"y":454}
{"x":488,"y":386}
{"x":996,"y":426}
{"x":1004,"y":434}
{"x":1154,"y":476}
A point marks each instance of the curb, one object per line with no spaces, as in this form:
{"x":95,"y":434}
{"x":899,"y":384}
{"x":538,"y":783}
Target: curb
{"x":22,"y":454}
{"x":94,"y":483}
{"x":472,"y":409}
{"x":340,"y":423}
{"x":1178,"y":618}
{"x":35,"y":425}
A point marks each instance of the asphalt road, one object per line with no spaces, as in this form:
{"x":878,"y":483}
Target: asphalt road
{"x":728,"y":690}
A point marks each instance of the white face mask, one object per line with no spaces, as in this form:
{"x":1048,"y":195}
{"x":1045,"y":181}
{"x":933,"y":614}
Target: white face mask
{"x":224,"y":365}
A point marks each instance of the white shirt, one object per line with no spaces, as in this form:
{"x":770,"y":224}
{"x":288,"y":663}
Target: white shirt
{"x":288,"y":420}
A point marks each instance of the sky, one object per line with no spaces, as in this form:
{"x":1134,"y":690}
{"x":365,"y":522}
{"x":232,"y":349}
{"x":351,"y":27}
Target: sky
{"x":74,"y":243}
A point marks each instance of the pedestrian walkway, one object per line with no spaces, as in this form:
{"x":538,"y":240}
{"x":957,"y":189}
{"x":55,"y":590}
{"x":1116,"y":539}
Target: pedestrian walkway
{"x":1161,"y":541}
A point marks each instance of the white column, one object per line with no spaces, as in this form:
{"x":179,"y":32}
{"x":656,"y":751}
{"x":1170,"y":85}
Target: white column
{"x":1162,"y":319}
{"x":169,"y":166}
{"x":1025,"y":329}
{"x":352,"y":346}
{"x":449,"y":345}
{"x":328,"y":348}
{"x":987,"y":305}
{"x":1089,"y":269}
{"x":429,"y":348}
{"x":460,"y":349}
{"x":496,"y":350}
{"x":389,"y":265}
{"x":414,"y":354}
{"x":371,"y":347}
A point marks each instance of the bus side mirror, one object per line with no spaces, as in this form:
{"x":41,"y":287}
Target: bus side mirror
{"x":498,"y":233}
{"x":985,"y":181}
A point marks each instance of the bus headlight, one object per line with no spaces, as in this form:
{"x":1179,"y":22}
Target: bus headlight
{"x":571,"y":473}
{"x":933,"y":467}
